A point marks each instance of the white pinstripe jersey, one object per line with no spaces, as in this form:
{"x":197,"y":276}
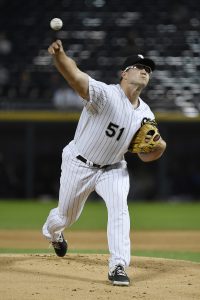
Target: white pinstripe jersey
{"x":108,"y":123}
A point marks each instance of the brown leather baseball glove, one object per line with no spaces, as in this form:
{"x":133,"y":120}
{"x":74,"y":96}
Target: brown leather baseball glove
{"x":146,"y":138}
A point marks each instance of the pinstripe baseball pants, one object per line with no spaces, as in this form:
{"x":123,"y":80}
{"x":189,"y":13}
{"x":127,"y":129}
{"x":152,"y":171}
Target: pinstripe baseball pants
{"x":77,"y":182}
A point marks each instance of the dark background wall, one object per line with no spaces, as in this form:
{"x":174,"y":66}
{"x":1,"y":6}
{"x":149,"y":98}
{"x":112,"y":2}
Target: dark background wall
{"x":30,"y":158}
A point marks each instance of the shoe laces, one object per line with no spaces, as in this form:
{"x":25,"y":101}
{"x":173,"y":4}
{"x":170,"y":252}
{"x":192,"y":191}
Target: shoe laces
{"x":60,"y":239}
{"x":57,"y":244}
{"x":119,"y":270}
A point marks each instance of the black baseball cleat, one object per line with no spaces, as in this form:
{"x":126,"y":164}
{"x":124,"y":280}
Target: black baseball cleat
{"x":60,"y":246}
{"x":118,"y":276}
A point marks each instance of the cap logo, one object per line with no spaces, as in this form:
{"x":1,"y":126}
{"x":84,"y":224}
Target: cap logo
{"x":140,"y":56}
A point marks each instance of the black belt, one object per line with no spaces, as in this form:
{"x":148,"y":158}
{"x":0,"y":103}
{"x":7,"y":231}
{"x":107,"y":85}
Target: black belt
{"x":91,"y":163}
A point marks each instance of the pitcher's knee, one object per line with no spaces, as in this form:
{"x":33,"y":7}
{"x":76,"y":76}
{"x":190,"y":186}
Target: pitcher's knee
{"x":61,"y":222}
{"x":55,"y":222}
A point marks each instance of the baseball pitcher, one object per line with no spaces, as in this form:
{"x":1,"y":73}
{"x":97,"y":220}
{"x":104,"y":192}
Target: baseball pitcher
{"x":114,"y":120}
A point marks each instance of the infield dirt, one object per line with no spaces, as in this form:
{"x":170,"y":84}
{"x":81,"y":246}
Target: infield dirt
{"x":84,"y":276}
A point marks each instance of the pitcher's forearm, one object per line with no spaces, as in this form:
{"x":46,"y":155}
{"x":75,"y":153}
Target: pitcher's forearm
{"x":77,"y":79}
{"x":155,"y":154}
{"x":66,"y":66}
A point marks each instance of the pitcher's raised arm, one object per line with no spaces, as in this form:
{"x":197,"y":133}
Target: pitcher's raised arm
{"x":77,"y":79}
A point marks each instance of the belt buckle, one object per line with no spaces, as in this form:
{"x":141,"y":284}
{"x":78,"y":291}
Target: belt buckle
{"x":89,"y":163}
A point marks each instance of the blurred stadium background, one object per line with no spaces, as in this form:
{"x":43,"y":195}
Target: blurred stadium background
{"x":39,"y":112}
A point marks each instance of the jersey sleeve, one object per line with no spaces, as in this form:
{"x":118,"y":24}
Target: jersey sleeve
{"x":151,"y":114}
{"x":148,"y":112}
{"x":97,"y":96}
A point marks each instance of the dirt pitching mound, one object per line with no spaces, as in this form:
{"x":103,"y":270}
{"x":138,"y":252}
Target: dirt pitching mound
{"x":78,"y":276}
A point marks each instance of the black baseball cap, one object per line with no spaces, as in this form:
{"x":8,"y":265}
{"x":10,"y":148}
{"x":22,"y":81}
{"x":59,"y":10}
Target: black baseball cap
{"x":138,"y":59}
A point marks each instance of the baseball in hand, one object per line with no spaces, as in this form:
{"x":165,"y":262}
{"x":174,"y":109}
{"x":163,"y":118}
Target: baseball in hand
{"x":56,"y":24}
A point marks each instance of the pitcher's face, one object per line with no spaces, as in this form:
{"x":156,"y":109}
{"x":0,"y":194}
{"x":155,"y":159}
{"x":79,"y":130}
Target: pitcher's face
{"x":137,"y":74}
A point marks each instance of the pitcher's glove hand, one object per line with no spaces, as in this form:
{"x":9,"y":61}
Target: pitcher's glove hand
{"x":146,"y":138}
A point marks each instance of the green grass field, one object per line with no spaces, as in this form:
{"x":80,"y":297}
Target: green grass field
{"x":144,"y":216}
{"x":152,"y":216}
